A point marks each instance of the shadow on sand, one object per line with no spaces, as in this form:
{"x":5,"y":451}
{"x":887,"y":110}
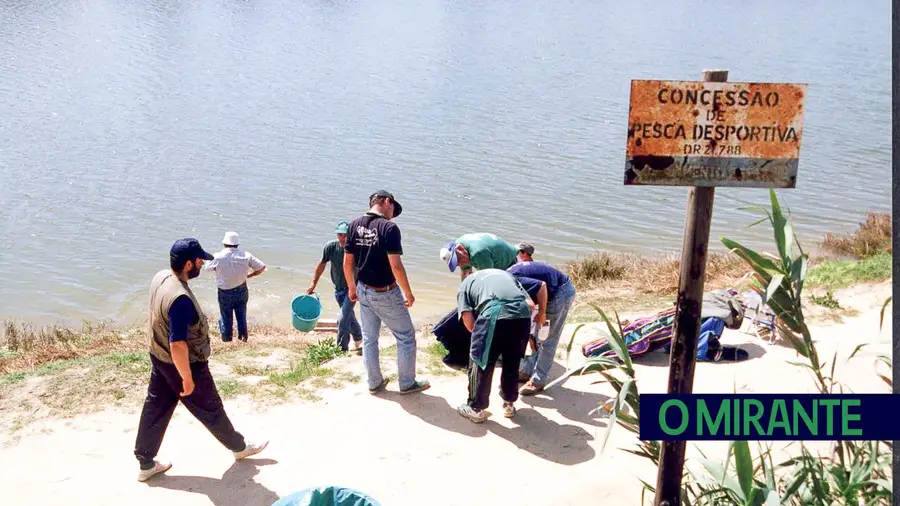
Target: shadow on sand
{"x":575,"y":405}
{"x":533,"y":432}
{"x":235,"y":488}
{"x":660,"y":358}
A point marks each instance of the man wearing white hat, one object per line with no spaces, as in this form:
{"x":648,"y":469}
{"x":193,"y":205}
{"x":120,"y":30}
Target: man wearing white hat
{"x":233,"y":266}
{"x":478,"y":251}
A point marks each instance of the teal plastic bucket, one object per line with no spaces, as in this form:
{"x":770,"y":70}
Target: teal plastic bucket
{"x":305,"y":312}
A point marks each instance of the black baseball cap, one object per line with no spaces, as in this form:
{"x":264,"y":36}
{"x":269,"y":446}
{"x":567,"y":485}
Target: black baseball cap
{"x":188,"y":249}
{"x":386,"y":194}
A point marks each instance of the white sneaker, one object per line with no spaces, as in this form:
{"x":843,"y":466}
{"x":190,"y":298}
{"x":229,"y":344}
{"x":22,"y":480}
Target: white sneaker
{"x":158,"y":467}
{"x":250,"y":450}
{"x":474,"y":416}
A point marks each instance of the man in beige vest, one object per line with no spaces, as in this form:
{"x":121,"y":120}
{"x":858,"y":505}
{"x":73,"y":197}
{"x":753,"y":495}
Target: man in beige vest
{"x":179,"y":350}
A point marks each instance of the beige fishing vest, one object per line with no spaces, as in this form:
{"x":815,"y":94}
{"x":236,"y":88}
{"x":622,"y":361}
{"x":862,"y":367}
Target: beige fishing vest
{"x":164,"y":289}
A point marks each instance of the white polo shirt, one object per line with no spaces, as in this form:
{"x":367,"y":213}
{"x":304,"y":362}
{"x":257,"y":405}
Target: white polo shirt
{"x":232,"y":265}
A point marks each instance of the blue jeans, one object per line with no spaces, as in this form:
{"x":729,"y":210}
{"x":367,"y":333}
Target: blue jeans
{"x":347,"y":324}
{"x":387,"y":307}
{"x":537,"y":365}
{"x":233,"y":303}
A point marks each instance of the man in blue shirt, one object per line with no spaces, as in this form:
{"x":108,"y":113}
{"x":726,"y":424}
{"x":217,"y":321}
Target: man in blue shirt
{"x":179,"y":368}
{"x":560,"y":297}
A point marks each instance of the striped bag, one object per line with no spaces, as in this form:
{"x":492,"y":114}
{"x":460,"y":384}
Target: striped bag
{"x":641,"y":336}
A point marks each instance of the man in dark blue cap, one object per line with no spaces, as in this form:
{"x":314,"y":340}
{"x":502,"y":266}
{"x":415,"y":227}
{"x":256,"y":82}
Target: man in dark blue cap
{"x":179,"y":369}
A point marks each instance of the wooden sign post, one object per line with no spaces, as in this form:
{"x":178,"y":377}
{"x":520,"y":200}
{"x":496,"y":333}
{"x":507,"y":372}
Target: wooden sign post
{"x":705,"y":134}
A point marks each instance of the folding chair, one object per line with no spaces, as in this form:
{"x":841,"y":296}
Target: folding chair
{"x":760,"y":316}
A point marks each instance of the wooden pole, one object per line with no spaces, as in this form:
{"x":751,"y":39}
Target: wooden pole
{"x":687,"y":322}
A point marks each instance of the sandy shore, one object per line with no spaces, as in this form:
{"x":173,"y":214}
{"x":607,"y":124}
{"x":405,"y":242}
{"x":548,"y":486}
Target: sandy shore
{"x":413,"y":450}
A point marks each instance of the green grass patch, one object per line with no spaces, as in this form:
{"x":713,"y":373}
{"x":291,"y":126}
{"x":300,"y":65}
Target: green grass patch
{"x":128,"y":358}
{"x":347,"y":377}
{"x":8,"y":379}
{"x":232,"y":388}
{"x":323,"y":351}
{"x":833,"y":274}
{"x":134,"y":363}
{"x":249,"y":370}
{"x":436,"y":349}
{"x":298,"y":372}
{"x":58,"y":366}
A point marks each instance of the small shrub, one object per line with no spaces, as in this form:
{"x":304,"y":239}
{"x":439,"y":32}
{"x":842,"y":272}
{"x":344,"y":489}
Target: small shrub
{"x":873,"y":237}
{"x":323,"y":351}
{"x":826,"y":300}
{"x":595,"y":268}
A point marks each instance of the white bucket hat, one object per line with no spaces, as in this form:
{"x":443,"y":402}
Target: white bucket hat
{"x":231,"y":239}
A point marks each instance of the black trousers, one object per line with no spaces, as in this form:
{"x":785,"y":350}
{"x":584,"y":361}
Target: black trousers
{"x":163,"y":395}
{"x":510,"y":339}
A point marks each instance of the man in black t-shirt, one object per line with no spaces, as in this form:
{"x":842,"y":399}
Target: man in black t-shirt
{"x":372,"y":250}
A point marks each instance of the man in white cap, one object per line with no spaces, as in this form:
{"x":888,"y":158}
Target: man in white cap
{"x":478,"y":251}
{"x":233,"y":267}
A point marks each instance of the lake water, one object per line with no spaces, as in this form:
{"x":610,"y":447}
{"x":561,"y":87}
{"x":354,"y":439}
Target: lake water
{"x":126,"y":125}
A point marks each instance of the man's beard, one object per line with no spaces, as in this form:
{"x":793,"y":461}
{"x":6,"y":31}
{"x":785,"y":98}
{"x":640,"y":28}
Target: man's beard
{"x":194,"y":272}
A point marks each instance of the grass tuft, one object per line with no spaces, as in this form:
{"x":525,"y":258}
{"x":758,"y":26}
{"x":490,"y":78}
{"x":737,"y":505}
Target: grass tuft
{"x":309,"y":366}
{"x":828,"y":300}
{"x":436,"y":350}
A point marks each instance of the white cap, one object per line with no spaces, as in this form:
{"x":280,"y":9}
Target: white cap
{"x":445,"y":254}
{"x":231,"y":239}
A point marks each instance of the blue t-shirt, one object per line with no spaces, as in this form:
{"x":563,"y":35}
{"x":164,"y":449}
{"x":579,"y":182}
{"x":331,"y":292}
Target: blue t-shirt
{"x":532,"y":286}
{"x":540,"y":271}
{"x":182,"y":315}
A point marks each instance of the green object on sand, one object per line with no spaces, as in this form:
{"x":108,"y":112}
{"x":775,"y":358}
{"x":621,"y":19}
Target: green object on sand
{"x":327,"y":496}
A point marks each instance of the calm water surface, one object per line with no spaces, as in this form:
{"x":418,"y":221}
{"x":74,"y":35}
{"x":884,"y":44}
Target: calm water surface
{"x":125,"y":125}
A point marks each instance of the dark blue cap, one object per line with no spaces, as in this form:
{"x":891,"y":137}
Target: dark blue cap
{"x":188,"y":249}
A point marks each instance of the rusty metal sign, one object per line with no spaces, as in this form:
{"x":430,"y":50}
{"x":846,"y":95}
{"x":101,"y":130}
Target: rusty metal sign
{"x":697,"y":133}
